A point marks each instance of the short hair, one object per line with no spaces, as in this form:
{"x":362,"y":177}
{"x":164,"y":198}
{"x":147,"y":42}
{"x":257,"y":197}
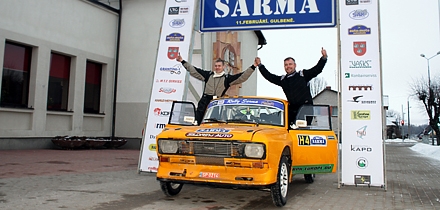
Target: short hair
{"x":289,"y":58}
{"x":219,"y":60}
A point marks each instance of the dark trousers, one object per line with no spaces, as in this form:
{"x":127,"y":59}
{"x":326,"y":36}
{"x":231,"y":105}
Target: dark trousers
{"x":201,"y":107}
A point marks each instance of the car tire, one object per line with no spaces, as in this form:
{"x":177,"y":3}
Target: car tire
{"x":278,"y":191}
{"x":170,"y":188}
{"x":310,"y":178}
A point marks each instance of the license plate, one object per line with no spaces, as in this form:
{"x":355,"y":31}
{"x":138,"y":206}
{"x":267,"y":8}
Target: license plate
{"x":209,"y":175}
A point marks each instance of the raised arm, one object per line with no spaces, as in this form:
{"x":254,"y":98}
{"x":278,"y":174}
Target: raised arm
{"x":197,"y":73}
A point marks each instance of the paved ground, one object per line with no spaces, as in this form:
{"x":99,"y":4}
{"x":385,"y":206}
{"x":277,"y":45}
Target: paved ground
{"x":108,"y":179}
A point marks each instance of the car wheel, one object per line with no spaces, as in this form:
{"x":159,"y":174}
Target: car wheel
{"x":310,"y":178}
{"x":170,"y":188}
{"x":279,"y":190}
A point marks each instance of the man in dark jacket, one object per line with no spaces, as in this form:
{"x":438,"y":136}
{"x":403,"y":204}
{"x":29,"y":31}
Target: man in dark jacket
{"x":217,"y":82}
{"x":295,"y":84}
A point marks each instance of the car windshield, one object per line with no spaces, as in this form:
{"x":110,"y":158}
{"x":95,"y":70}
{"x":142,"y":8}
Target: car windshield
{"x":245,"y":110}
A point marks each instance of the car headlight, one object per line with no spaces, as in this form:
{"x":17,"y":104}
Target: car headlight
{"x":168,"y":146}
{"x":254,"y":150}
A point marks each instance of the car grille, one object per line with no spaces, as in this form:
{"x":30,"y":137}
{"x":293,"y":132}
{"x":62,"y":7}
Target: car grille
{"x":206,"y":148}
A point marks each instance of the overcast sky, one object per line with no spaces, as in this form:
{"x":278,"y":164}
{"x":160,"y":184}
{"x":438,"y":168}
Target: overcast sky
{"x":408,"y":29}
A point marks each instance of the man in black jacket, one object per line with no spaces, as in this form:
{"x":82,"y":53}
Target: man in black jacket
{"x":295,"y":84}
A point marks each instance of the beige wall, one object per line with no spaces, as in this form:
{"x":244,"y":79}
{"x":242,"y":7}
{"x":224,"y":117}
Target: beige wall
{"x":72,"y":27}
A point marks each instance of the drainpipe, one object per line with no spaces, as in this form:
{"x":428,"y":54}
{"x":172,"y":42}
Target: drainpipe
{"x":118,"y":41}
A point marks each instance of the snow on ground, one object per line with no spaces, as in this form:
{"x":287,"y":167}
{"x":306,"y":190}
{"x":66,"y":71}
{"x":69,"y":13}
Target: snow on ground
{"x":422,"y":148}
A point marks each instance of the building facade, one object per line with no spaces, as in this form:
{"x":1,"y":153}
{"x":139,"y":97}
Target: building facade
{"x":85,"y":67}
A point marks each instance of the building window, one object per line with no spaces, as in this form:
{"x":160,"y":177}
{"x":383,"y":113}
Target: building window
{"x":15,"y":77}
{"x":92,"y":93}
{"x":334,"y":110}
{"x":59,"y":76}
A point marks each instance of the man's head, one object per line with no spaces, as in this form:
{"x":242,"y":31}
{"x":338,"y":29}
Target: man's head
{"x":219,"y":65}
{"x":289,"y":65}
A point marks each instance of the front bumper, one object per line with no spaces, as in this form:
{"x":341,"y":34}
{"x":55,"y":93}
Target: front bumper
{"x":235,"y":173}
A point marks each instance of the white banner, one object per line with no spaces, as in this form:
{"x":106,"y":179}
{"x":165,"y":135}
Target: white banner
{"x":169,"y":75}
{"x":361,"y":96}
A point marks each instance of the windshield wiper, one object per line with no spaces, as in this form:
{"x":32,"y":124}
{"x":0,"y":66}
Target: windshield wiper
{"x":214,"y":120}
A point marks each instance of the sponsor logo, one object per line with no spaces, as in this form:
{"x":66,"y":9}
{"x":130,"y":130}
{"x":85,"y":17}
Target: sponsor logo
{"x":209,"y":135}
{"x":359,"y":30}
{"x":152,"y":147}
{"x":360,"y":114}
{"x":360,"y":48}
{"x":173,"y":70}
{"x":309,"y":140}
{"x":152,"y":136}
{"x":178,"y":10}
{"x":152,"y":168}
{"x":215,"y":130}
{"x":178,"y":81}
{"x":311,"y":169}
{"x":360,"y":64}
{"x":360,"y":87}
{"x":180,"y":1}
{"x":351,"y":2}
{"x":359,"y":14}
{"x":173,"y":52}
{"x":349,"y":75}
{"x":360,"y":148}
{"x":357,"y":2}
{"x":159,"y":125}
{"x":177,"y":23}
{"x":173,"y":10}
{"x":357,"y":100}
{"x":362,"y":163}
{"x":175,"y":37}
{"x":167,"y":90}
{"x":158,"y":112}
{"x":362,"y":179}
{"x":164,"y":100}
{"x":153,"y":159}
{"x":361,"y":132}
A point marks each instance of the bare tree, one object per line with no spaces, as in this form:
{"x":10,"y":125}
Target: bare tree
{"x":429,"y":94}
{"x":317,"y":84}
{"x":392,"y":113}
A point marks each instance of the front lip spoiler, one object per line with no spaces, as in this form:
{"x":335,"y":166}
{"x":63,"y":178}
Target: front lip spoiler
{"x":219,"y":185}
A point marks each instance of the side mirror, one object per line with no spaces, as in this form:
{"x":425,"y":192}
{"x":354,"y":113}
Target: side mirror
{"x":301,"y":123}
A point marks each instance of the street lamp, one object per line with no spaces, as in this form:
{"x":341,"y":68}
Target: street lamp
{"x":429,"y":74}
{"x":409,"y":122}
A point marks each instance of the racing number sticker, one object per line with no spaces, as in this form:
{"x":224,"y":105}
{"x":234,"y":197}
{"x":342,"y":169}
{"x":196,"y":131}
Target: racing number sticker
{"x":304,"y":140}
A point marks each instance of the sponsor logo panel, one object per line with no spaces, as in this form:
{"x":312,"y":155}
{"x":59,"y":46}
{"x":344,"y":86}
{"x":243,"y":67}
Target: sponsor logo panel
{"x":161,"y":113}
{"x":357,"y":99}
{"x":360,"y":87}
{"x":159,"y":125}
{"x":360,"y":64}
{"x":177,"y":23}
{"x":152,"y":147}
{"x":360,"y":115}
{"x":311,"y":140}
{"x":178,"y":10}
{"x":210,"y":135}
{"x":349,"y":75}
{"x":361,"y":132}
{"x":313,"y":169}
{"x":360,"y":48}
{"x":360,"y":148}
{"x":175,"y":37}
{"x":357,"y":2}
{"x":359,"y":14}
{"x":176,"y":81}
{"x":359,"y":30}
{"x":173,"y":52}
{"x":167,"y":90}
{"x":173,"y":70}
{"x":362,"y":163}
{"x":362,"y":179}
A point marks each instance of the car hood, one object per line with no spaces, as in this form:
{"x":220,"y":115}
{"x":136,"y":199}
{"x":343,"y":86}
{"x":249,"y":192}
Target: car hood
{"x":242,"y":133}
